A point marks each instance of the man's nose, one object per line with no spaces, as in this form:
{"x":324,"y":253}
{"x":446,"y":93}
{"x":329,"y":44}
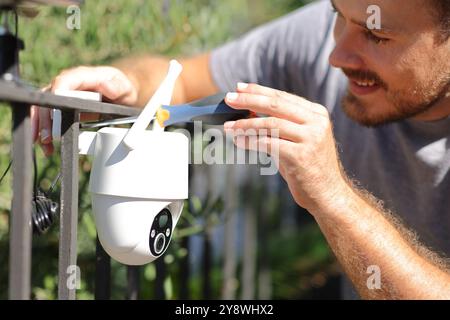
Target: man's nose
{"x":346,"y":53}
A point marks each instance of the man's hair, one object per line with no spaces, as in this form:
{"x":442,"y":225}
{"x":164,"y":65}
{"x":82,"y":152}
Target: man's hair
{"x":442,"y":8}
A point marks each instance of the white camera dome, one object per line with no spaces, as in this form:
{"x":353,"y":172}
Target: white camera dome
{"x":138,"y":195}
{"x":139,"y":180}
{"x":135,"y":231}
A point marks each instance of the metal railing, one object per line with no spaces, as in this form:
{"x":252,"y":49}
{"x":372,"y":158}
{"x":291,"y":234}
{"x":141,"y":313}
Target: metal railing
{"x":20,"y":99}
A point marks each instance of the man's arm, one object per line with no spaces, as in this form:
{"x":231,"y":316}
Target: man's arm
{"x":362,"y":235}
{"x":357,"y":228}
{"x":146,"y":73}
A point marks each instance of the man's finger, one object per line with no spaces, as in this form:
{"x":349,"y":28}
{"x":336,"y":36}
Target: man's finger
{"x":118,"y":89}
{"x":34,"y":122}
{"x":266,"y":144}
{"x":104,"y":80}
{"x":45,"y":131}
{"x":80,"y":78}
{"x":271,"y":126}
{"x":271,"y":106}
{"x":48,"y":149}
{"x":45,"y":125}
{"x":274,"y":93}
{"x":35,"y":118}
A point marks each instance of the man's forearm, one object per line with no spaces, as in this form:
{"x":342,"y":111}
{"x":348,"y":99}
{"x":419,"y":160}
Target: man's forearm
{"x":147,"y":71}
{"x":362,"y":235}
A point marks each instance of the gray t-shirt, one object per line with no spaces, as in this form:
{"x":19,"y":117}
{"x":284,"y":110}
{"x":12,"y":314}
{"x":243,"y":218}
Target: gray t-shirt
{"x":406,"y":164}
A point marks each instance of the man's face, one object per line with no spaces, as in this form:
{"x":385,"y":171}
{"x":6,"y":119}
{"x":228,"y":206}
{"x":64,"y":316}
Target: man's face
{"x":400,"y":71}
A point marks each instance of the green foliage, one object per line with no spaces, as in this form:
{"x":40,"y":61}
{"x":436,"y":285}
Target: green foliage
{"x":109,"y":30}
{"x":303,"y":265}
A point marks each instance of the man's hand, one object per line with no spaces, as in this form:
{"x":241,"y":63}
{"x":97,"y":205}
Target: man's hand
{"x":112,"y":83}
{"x":308,"y":159}
{"x":357,"y":229}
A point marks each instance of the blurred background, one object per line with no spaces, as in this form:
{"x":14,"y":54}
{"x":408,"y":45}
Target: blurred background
{"x":241,"y":236}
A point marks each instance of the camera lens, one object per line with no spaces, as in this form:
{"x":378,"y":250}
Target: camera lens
{"x":160,"y":232}
{"x":160,"y":241}
{"x":163,"y":220}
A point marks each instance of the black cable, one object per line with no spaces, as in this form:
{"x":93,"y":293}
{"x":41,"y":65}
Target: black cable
{"x":44,"y":213}
{"x":44,"y":209}
{"x":16,"y":21}
{"x":18,"y":43}
{"x":52,"y":186}
{"x":35,"y":178}
{"x":6,"y":171}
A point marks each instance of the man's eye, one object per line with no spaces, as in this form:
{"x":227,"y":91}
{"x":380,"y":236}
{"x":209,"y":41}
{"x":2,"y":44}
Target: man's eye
{"x":337,"y":12}
{"x":374,"y":38}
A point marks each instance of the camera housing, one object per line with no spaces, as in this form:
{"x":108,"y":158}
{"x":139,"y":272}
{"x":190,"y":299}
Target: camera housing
{"x":137,"y":195}
{"x":135,"y":231}
{"x":139,"y":180}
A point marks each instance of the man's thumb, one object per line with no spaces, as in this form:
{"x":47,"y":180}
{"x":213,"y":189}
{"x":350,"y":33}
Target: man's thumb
{"x":117,"y":90}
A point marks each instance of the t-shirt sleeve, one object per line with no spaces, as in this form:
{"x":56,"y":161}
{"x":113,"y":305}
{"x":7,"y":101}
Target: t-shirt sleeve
{"x":290,"y":54}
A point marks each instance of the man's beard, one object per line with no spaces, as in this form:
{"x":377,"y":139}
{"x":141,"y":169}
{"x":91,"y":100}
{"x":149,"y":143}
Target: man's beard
{"x":403,"y":105}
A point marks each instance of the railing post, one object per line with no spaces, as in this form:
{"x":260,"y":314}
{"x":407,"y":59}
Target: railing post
{"x":69,"y":206}
{"x":229,"y":247}
{"x":20,"y":226}
{"x":102,"y":273}
{"x":250,"y":237}
{"x":264,"y":275}
{"x":184,"y":262}
{"x":161,"y":273}
{"x":185,"y":267}
{"x":133,"y":275}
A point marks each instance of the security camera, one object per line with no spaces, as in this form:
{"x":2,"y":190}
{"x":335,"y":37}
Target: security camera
{"x":137,"y":195}
{"x":133,"y":231}
{"x":139,"y":180}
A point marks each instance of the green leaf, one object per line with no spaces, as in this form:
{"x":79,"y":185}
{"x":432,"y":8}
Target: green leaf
{"x":150,"y":272}
{"x":169,"y":259}
{"x":89,"y":223}
{"x":168,"y":287}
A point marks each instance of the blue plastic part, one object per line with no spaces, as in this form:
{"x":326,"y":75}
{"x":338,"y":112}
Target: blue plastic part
{"x":215,"y":113}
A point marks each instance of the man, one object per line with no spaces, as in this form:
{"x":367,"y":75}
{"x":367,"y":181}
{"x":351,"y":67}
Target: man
{"x":387,"y":93}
